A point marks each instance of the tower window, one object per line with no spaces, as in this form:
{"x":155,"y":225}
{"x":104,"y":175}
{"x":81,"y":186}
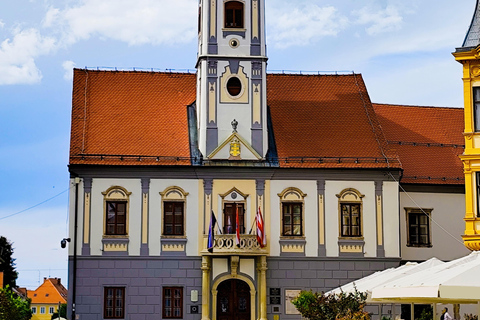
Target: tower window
{"x":234,"y":86}
{"x":233,"y":14}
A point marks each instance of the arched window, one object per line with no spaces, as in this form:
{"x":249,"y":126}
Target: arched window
{"x":350,"y":208}
{"x":292,"y":206}
{"x":173,"y":204}
{"x":116,"y":211}
{"x":234,"y":13}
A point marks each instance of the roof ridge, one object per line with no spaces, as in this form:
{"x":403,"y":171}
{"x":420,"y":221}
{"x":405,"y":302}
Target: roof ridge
{"x":415,"y":106}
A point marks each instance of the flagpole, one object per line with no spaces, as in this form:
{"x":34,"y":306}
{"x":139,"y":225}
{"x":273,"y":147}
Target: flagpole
{"x":254,"y":221}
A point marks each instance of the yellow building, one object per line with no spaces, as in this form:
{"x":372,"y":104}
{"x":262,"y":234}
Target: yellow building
{"x":46,"y":298}
{"x":469,"y":56}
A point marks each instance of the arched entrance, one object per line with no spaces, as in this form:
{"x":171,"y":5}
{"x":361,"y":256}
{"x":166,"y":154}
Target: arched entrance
{"x":233,"y":300}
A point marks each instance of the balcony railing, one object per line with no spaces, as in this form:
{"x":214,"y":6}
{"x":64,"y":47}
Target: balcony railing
{"x":226,"y":244}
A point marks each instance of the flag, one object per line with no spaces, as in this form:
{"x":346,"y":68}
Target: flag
{"x":261,"y":236}
{"x":211,"y":233}
{"x":237,"y":229}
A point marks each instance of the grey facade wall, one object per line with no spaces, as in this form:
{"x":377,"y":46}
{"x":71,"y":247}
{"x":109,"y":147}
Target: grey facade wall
{"x":144,"y":277}
{"x":317,"y":274}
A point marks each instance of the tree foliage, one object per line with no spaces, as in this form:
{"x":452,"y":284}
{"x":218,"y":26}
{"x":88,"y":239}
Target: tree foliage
{"x":13,"y":307}
{"x":62,"y":312}
{"x":343,"y":306}
{"x":7,"y":263}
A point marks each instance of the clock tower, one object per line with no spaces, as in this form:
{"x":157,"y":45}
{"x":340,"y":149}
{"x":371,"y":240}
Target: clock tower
{"x":231,"y":80}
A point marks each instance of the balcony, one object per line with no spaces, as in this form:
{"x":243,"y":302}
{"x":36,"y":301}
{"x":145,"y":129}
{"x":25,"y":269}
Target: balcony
{"x":225,"y":245}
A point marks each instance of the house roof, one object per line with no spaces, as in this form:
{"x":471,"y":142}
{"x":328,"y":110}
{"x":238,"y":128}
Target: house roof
{"x":133,"y":118}
{"x":327,"y":118}
{"x":130,"y":114}
{"x":428,"y":141}
{"x":51,"y":291}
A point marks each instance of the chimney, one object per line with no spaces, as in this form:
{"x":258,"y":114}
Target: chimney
{"x":1,"y":279}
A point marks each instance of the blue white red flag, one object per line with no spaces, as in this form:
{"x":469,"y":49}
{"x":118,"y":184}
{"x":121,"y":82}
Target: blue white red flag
{"x":211,"y":233}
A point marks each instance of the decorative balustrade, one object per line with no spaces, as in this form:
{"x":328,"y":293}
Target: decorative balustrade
{"x":226,"y":244}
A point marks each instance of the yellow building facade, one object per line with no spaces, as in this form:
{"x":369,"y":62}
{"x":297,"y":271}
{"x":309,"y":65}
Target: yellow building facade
{"x":47,"y":298}
{"x":469,"y":56}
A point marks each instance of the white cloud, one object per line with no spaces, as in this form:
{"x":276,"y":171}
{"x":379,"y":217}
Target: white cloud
{"x":379,"y":21}
{"x":17,"y":56}
{"x":68,"y":67}
{"x":303,"y":25}
{"x":134,"y":22}
{"x":2,"y":24}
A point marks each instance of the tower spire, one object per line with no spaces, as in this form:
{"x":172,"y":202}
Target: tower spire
{"x":472,"y":39}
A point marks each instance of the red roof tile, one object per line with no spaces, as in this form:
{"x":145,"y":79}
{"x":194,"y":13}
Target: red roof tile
{"x":51,"y":291}
{"x":130,"y":114}
{"x":428,"y":141}
{"x":131,"y":118}
{"x":327,"y":116}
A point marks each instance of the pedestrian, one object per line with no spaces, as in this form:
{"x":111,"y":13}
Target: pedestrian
{"x":445,"y":315}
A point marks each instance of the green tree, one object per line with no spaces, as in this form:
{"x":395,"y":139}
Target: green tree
{"x":13,"y":307}
{"x":7,"y":263}
{"x":343,"y":306}
{"x":62,"y":311}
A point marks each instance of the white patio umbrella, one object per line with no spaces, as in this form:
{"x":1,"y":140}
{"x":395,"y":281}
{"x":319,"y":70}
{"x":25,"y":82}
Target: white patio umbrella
{"x":381,"y":278}
{"x":456,"y":281}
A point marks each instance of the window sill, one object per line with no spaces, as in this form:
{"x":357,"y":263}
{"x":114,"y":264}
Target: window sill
{"x":351,"y":238}
{"x":419,"y":245}
{"x":111,"y":236}
{"x":164,"y":237}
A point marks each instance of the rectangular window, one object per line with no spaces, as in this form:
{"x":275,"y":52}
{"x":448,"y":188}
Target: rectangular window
{"x":351,"y":220}
{"x":233,"y":14}
{"x":42,"y":310}
{"x":116,"y":218}
{"x":172,"y":302}
{"x":51,"y":310}
{"x":476,"y":108}
{"x":34,"y":310}
{"x":173,"y":218}
{"x":230,"y":218}
{"x":418,"y":222}
{"x":114,"y":303}
{"x":292,"y":224}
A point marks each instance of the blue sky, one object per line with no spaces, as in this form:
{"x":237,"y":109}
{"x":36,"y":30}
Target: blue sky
{"x":401,"y":47}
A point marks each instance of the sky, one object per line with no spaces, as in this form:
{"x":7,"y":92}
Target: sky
{"x":401,"y":47}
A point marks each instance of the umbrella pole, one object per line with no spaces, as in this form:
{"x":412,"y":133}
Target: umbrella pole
{"x":434,"y":311}
{"x":412,"y":314}
{"x":394,"y":312}
{"x":478,"y":309}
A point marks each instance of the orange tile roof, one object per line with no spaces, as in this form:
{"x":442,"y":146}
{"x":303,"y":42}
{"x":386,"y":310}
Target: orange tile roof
{"x":327,"y":116}
{"x":428,"y":141}
{"x":133,"y":118}
{"x":51,"y":291}
{"x":130,"y":114}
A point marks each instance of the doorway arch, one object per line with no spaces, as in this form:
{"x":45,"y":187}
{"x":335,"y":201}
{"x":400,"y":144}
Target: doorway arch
{"x":233,"y":299}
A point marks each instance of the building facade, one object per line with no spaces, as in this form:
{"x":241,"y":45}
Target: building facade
{"x":46,"y":299}
{"x":467,"y":55}
{"x":156,"y":157}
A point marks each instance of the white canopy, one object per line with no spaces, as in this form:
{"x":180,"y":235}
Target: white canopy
{"x":381,"y":278}
{"x":456,"y":281}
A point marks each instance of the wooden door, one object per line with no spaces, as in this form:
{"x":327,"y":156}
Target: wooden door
{"x":233,"y":300}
